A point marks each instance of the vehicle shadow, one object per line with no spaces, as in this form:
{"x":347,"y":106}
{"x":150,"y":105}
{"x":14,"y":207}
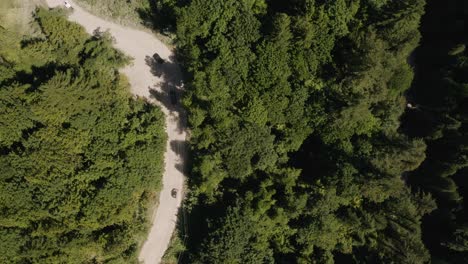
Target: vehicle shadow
{"x":169,"y":91}
{"x":181,"y":149}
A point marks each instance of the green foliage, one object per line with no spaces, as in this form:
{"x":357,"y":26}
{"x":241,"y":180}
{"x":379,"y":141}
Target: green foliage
{"x":310,"y":85}
{"x":154,"y":15}
{"x":458,"y":240}
{"x":80,"y":158}
{"x":236,"y":239}
{"x":175,"y":249}
{"x":457,"y":49}
{"x":123,"y":11}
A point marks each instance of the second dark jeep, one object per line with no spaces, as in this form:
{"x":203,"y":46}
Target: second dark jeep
{"x":158,"y":58}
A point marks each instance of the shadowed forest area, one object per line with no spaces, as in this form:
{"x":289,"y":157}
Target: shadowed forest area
{"x":440,"y":93}
{"x":302,"y":150}
{"x":294,"y":110}
{"x":81,"y":159}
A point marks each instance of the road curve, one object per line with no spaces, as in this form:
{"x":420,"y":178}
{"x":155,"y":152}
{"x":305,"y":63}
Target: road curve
{"x":158,"y":83}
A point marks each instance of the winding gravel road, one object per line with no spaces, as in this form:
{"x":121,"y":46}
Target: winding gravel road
{"x":161,"y":84}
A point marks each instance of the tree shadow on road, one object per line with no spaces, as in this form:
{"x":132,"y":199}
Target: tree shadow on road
{"x":170,"y":90}
{"x":181,"y":149}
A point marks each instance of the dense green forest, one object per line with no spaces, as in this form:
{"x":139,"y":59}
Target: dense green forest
{"x":80,"y":158}
{"x":304,"y":148}
{"x":298,"y":151}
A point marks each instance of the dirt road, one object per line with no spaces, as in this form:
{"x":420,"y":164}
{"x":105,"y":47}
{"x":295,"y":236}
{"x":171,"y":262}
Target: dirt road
{"x":160,"y":83}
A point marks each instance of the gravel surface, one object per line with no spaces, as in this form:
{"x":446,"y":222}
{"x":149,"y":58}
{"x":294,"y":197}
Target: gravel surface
{"x":161,"y":84}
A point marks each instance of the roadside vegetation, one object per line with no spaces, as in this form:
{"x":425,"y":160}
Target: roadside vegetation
{"x":298,"y":151}
{"x":174,"y":252}
{"x":80,"y":157}
{"x":155,"y":15}
{"x":16,"y":15}
{"x":122,"y":11}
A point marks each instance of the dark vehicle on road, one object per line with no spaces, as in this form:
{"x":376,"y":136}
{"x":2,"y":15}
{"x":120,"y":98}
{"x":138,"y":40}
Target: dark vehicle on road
{"x":158,"y":58}
{"x":174,"y":193}
{"x":173,"y":97}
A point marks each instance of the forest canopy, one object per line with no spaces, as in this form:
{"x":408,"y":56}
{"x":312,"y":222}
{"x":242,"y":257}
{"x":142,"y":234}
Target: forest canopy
{"x":298,"y":151}
{"x":80,"y":157}
{"x":321,"y":131}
